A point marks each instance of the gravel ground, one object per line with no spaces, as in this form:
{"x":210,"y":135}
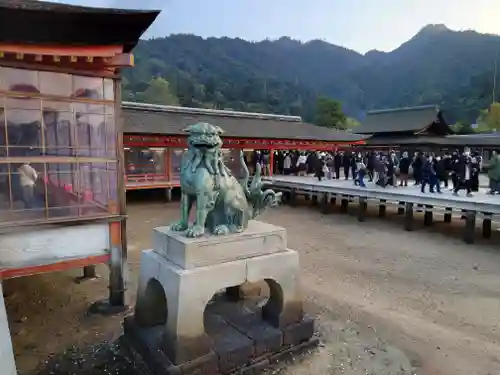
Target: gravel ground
{"x":387,"y":302}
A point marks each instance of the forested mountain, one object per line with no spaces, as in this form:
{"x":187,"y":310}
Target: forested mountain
{"x":437,"y":66}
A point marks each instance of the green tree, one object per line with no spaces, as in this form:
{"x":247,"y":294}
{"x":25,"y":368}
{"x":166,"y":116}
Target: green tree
{"x":158,"y":92}
{"x":329,"y":113}
{"x":351,"y":123}
{"x":462,"y":128}
{"x":490,"y":119}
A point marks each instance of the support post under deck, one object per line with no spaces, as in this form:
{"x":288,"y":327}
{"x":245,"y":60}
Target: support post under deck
{"x":409,"y":216}
{"x":447,"y":215}
{"x":487,"y":225}
{"x":401,"y":209}
{"x":362,"y":207}
{"x":470,"y":227}
{"x":382,"y":208}
{"x":325,"y":203}
{"x":428,"y":215}
{"x":344,"y":204}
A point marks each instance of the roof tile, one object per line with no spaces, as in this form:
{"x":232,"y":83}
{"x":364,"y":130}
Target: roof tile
{"x":234,"y":124}
{"x":411,"y":119}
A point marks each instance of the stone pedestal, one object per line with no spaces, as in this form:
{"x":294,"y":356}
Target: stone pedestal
{"x":180,"y":276}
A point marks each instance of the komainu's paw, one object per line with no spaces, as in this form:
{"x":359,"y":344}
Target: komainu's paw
{"x":179,"y":226}
{"x":221,"y":230}
{"x":195,"y":231}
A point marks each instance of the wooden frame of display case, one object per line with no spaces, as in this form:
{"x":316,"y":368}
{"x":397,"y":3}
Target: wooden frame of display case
{"x":34,"y":237}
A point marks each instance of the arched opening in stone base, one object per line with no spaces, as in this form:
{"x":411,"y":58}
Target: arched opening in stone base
{"x":151,"y":308}
{"x":260,"y":301}
{"x":241,"y":320}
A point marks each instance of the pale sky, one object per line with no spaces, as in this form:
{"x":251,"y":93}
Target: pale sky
{"x":360,"y":25}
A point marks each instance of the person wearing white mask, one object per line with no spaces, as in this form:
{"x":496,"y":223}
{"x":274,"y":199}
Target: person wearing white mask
{"x":27,"y":180}
{"x":302,"y":164}
{"x":287,"y":164}
{"x":463,"y":173}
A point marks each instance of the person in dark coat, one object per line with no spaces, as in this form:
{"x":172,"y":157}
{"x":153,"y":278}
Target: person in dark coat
{"x":391,"y":169}
{"x":429,"y":176}
{"x":463,"y":172}
{"x":418,"y":162}
{"x":381,"y":169}
{"x":370,"y":165}
{"x":474,"y":175}
{"x":319,"y":167}
{"x":312,"y":160}
{"x":439,"y":167}
{"x":454,"y":164}
{"x":346,"y":163}
{"x":337,"y":162}
{"x":447,"y":168}
{"x":354,"y":164}
{"x":404,"y":169}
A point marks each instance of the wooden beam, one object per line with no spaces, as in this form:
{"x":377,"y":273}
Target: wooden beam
{"x":103,"y":51}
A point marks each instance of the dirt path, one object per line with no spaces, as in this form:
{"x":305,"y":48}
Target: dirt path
{"x":386,"y":300}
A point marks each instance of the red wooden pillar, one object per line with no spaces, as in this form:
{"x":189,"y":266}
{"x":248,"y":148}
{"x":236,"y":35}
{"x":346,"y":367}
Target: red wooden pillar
{"x":168,"y":164}
{"x":271,"y":162}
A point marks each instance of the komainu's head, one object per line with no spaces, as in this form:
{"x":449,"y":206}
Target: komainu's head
{"x":204,"y":136}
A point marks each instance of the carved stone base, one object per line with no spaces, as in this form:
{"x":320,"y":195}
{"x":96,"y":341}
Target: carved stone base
{"x":178,"y":325}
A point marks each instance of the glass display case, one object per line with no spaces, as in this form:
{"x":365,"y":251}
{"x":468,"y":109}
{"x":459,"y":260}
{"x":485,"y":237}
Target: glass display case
{"x":145,"y":164}
{"x":58,"y":139}
{"x":176,"y":160}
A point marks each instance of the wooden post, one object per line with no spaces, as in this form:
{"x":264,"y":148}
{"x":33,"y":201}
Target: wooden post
{"x":428,"y":215}
{"x":168,"y":194}
{"x":89,"y":272}
{"x":487,"y":225}
{"x":470,"y":226}
{"x":271,"y":162}
{"x":382,"y":208}
{"x":325,"y":203}
{"x":401,"y":209}
{"x":447,"y":215}
{"x":314,"y":199}
{"x":333,"y":199}
{"x":168,"y":164}
{"x":362,"y":207}
{"x":409,"y":216}
{"x":119,"y":230}
{"x":344,"y":204}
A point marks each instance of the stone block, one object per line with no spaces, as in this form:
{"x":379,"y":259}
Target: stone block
{"x":148,"y":343}
{"x":188,"y":253}
{"x":297,"y":333}
{"x":232,"y":347}
{"x":265,"y":338}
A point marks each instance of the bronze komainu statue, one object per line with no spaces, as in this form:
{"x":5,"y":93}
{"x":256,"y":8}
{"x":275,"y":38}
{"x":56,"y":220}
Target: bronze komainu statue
{"x":223,"y":204}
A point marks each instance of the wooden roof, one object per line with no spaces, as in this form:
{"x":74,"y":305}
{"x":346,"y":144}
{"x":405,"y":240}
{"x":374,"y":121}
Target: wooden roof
{"x":170,"y":120}
{"x":472,"y":140}
{"x":41,"y":22}
{"x":405,"y":120}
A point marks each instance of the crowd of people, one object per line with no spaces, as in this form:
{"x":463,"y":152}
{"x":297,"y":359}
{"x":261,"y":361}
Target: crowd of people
{"x":456,"y":171}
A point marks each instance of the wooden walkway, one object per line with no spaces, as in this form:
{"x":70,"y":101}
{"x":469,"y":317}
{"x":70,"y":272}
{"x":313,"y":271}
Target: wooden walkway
{"x":408,"y":199}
